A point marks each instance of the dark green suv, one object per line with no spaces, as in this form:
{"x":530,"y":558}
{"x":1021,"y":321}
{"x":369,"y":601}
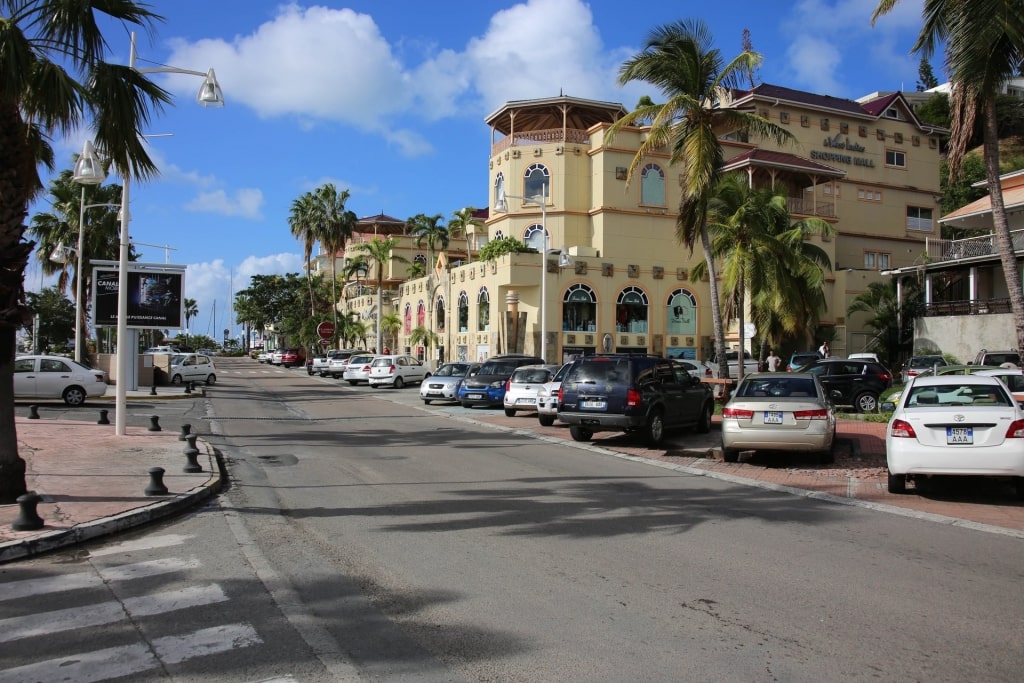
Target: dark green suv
{"x":632,"y":393}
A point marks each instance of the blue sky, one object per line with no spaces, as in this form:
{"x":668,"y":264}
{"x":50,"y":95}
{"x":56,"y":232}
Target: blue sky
{"x":388,"y":100}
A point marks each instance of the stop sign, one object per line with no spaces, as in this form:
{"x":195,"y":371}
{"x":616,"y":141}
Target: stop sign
{"x":325,"y":329}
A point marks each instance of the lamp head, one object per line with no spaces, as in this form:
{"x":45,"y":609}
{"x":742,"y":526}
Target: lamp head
{"x":88,"y":169}
{"x":501,"y":206}
{"x":210,"y":94}
{"x":61,"y":253}
{"x":564,"y":260}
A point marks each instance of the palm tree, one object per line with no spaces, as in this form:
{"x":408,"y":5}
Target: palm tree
{"x":760,"y":250}
{"x":390,"y":325}
{"x":100,"y":239}
{"x":416,"y":270}
{"x":378,"y":253}
{"x":424,"y":335}
{"x":678,"y":58}
{"x":459,"y":225}
{"x":335,"y":227}
{"x":191,"y":311}
{"x":53,"y":78}
{"x":303,"y":224}
{"x":984,"y":42}
{"x":889,"y":318}
{"x":428,"y":228}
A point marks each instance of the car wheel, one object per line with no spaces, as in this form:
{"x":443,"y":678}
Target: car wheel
{"x":399,"y":383}
{"x":309,"y":372}
{"x":704,"y":426}
{"x":866,"y":402}
{"x":74,"y":396}
{"x":467,"y":405}
{"x":353,"y":382}
{"x":730,"y":454}
{"x":176,"y":380}
{"x":509,"y":412}
{"x":546,"y":420}
{"x":828,"y":457}
{"x":654,"y":430}
{"x":897,"y":483}
{"x":211,"y":380}
{"x":426,"y":401}
{"x":580,"y":433}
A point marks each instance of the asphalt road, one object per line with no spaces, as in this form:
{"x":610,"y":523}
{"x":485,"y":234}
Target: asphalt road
{"x":369,"y":538}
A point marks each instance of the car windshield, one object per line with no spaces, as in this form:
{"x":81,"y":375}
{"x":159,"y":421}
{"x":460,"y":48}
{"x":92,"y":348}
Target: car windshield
{"x":383,"y":362}
{"x":178,"y":359}
{"x":531,"y":375}
{"x":356,"y":360}
{"x":602,"y":371}
{"x":926,"y":361}
{"x":497,"y":368}
{"x":957,"y":395}
{"x":452,"y":370}
{"x":777,"y":387}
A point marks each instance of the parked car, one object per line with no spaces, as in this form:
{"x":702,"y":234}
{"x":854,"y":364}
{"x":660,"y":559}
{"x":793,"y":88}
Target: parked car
{"x":1013,"y":378}
{"x":522,"y":387}
{"x":444,"y":384}
{"x":547,"y":397}
{"x":397,"y":371}
{"x":864,"y":356}
{"x":800,"y":359}
{"x":917,"y":364}
{"x":955,"y":425}
{"x":733,"y":358}
{"x":276,"y":356}
{"x":55,"y":377}
{"x":783,"y":412}
{"x":336,"y":366}
{"x":357,"y":368}
{"x":894,"y":398}
{"x":322,"y":364}
{"x":263,"y":357}
{"x":160,"y":349}
{"x":487,"y":386}
{"x":986,"y":357}
{"x":859,"y":383}
{"x":192,"y":367}
{"x":632,"y":393}
{"x":696,"y":368}
{"x":293,"y":357}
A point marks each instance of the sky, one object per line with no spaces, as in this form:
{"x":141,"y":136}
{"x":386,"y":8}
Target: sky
{"x":388,"y":100}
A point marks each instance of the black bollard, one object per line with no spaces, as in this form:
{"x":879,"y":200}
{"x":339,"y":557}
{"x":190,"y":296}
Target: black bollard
{"x":152,"y":390}
{"x":154,"y":423}
{"x":104,"y":420}
{"x":192,"y":453}
{"x":188,"y":387}
{"x":156,"y":482}
{"x":28,"y":519}
{"x":186,"y":429}
{"x":33,"y":412}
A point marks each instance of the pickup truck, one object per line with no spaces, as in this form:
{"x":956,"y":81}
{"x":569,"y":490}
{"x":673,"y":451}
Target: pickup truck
{"x":749,"y":363}
{"x":322,"y":364}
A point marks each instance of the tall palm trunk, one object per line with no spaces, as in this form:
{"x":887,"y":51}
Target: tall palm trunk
{"x":1001,"y":228}
{"x":716,"y":310}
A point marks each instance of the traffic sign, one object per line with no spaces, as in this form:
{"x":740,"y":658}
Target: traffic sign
{"x":325,"y":342}
{"x":325,"y":329}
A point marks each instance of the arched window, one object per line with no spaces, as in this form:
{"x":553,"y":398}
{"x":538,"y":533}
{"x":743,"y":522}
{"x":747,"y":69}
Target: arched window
{"x":631,"y":311}
{"x":420,"y":258}
{"x":534,"y":237}
{"x":652,"y":185}
{"x":498,"y":234}
{"x":536,"y":182}
{"x":681,"y":312}
{"x":421,"y":315}
{"x":407,"y":319}
{"x":463,"y":312}
{"x":499,"y":189}
{"x":579,"y":309}
{"x":440,"y":318}
{"x":483,"y":310}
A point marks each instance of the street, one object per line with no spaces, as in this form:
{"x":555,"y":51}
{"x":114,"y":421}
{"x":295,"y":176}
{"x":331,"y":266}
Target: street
{"x":364,"y":536}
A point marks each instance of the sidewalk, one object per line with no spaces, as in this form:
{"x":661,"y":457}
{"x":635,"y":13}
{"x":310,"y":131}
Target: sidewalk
{"x":93,"y":483}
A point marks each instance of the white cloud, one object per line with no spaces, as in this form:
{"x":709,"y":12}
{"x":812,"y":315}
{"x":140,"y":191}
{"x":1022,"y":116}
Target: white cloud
{"x":245,"y":202}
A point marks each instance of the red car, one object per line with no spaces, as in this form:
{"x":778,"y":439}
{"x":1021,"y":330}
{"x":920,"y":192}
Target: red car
{"x":293,"y":357}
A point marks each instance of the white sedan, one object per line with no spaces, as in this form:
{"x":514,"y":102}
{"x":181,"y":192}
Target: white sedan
{"x":965,"y":425}
{"x":55,"y":377}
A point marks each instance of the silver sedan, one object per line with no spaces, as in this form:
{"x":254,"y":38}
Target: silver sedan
{"x":772,"y":411}
{"x":444,"y":384}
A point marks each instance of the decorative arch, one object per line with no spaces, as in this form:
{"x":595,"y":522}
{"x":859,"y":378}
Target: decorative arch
{"x":533,"y":236}
{"x":681,"y":312}
{"x":499,"y":188}
{"x":652,"y":185}
{"x":632,"y":310}
{"x":483,"y":310}
{"x":536,"y":181}
{"x":579,"y":308}
{"x":440,"y":317}
{"x":407,"y":319}
{"x":421,"y":314}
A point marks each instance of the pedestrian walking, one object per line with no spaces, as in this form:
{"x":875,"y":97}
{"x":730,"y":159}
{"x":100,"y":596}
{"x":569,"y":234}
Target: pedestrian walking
{"x":773,"y":361}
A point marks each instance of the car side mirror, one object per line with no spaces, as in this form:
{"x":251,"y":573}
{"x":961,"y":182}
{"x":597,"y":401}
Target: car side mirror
{"x":888,"y":407}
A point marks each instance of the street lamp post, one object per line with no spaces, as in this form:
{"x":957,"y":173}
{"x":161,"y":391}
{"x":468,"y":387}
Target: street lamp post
{"x":541,"y":200}
{"x":210,"y":94}
{"x":88,"y":171}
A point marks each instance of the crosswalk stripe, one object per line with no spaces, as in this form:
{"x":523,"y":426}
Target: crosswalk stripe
{"x":31,"y":625}
{"x":117,"y":662}
{"x":148,"y":543}
{"x":67,"y":582}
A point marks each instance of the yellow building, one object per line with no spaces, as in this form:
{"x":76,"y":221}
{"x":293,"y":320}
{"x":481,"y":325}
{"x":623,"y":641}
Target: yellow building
{"x":616,"y":278}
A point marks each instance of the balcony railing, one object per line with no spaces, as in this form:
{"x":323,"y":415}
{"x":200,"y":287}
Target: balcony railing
{"x":942,"y":308}
{"x":541,"y":137}
{"x":969,"y":247}
{"x":810,"y":208}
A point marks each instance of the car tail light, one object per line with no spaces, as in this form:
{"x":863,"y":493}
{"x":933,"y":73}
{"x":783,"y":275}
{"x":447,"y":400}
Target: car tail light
{"x":632,"y":398}
{"x":738,"y":413}
{"x":366,"y":368}
{"x":817,"y":414}
{"x":901,"y":429}
{"x":885,"y":376}
{"x":508,"y":383}
{"x":560,"y":390}
{"x":391,"y":370}
{"x":99,"y":377}
{"x":708,"y":373}
{"x":1016,"y":430}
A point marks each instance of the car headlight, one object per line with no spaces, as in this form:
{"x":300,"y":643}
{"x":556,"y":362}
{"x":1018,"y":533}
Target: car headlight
{"x":497,"y":385}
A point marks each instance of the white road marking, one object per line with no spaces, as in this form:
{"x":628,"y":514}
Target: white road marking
{"x":68,"y":582}
{"x":148,"y":543}
{"x":117,"y":662}
{"x":44,"y":623}
{"x":141,"y":570}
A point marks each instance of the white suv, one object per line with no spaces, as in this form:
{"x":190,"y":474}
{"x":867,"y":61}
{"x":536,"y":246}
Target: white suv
{"x":396,"y":371}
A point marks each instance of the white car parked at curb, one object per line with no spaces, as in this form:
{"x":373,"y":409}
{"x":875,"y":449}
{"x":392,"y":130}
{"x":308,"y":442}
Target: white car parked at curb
{"x":396,"y":371}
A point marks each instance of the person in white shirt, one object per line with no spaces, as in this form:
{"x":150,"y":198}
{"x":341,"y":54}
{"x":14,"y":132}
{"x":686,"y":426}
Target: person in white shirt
{"x":773,"y":361}
{"x":823,"y":349}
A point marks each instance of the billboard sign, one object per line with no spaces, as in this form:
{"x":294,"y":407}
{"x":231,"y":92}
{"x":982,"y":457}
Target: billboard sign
{"x":155,"y":296}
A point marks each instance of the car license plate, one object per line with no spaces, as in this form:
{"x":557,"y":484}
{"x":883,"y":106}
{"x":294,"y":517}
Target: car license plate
{"x":531,"y":401}
{"x":474,"y":396}
{"x":772,"y":417}
{"x":959,"y":435}
{"x":593,"y":404}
